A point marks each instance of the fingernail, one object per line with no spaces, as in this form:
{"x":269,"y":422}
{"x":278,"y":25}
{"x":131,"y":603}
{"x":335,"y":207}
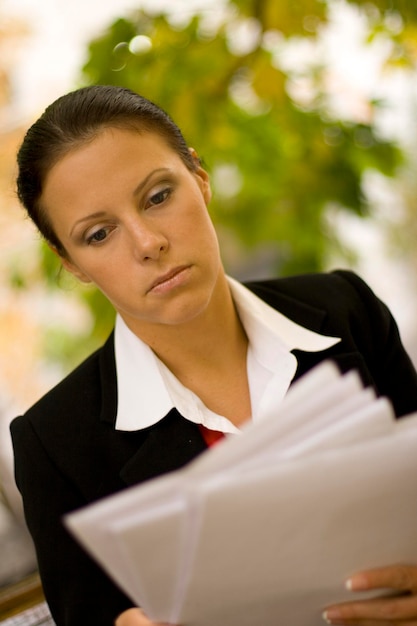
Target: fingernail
{"x":332,"y":616}
{"x":356,"y":583}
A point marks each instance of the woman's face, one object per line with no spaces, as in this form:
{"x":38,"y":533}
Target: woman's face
{"x":133,"y":220}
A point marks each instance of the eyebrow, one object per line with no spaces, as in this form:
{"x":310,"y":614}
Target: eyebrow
{"x":136,"y":192}
{"x":86,"y":219}
{"x":147,"y":178}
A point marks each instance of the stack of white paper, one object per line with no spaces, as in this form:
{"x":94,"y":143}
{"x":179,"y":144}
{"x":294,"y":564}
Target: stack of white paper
{"x":265,"y":527}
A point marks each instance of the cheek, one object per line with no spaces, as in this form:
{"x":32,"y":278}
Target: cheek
{"x":209,"y":234}
{"x":104,"y":273}
{"x":111,"y":274}
{"x":198,"y":223}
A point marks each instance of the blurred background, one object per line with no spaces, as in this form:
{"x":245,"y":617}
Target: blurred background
{"x":304,"y":113}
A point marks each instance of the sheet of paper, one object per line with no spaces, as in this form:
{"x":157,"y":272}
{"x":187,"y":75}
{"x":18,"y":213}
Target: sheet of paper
{"x":93,"y":527}
{"x":158,"y":550}
{"x":320,"y":395}
{"x":280,"y":544}
{"x":271,"y":521}
{"x":365,"y":421}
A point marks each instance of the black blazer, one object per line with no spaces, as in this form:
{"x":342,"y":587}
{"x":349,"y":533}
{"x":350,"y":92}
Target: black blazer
{"x":68,"y":454}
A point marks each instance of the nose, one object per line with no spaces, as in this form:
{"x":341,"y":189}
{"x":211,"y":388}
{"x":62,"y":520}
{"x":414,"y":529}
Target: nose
{"x":148,"y":241}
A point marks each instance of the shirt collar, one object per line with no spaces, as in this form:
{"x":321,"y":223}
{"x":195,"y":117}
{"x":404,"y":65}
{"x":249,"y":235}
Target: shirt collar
{"x":254,"y":311}
{"x":143,"y":390}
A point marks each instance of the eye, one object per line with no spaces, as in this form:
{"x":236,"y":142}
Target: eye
{"x":98,"y":236}
{"x":160,"y":196}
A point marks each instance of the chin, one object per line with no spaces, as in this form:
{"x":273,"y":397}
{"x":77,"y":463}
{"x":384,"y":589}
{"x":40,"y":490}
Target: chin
{"x":185,"y":314}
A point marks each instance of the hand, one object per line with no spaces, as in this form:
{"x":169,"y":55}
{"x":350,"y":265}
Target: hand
{"x":135,"y":617}
{"x":400,"y":608}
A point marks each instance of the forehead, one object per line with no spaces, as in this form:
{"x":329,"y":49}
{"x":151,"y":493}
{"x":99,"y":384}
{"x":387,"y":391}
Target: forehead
{"x":110,"y":151}
{"x":120,"y":140}
{"x":111,"y":164}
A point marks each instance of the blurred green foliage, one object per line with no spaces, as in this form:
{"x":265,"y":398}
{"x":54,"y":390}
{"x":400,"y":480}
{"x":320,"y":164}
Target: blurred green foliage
{"x":277,"y":162}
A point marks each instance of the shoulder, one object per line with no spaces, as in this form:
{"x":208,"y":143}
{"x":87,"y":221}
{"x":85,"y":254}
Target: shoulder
{"x":342,"y":305}
{"x":68,"y":435}
{"x":334,"y":299}
{"x":339,"y":304}
{"x":316,"y":289}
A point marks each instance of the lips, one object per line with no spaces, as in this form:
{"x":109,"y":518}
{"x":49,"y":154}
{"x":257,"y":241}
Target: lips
{"x":166,"y":280}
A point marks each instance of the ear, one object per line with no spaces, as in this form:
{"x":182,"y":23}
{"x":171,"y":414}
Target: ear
{"x":69,"y":266}
{"x":202,"y":177}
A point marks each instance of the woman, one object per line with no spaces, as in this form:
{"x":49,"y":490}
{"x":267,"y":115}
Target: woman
{"x":110,"y":182}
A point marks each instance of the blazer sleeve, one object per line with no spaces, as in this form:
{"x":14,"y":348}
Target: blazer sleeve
{"x":377,"y":336}
{"x":76,"y":589}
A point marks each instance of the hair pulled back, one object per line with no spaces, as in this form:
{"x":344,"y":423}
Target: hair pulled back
{"x":72,"y":121}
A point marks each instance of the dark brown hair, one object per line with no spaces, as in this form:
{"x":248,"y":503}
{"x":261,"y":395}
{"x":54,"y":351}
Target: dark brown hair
{"x":75,"y":119}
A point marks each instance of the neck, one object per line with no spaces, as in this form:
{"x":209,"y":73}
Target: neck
{"x":205,"y":341}
{"x":208,"y":355}
{"x":212,"y":340}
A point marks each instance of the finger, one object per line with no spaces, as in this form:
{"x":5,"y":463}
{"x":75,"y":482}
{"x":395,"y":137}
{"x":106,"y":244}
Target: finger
{"x":135,"y":617}
{"x":402,"y":609}
{"x":399,"y":577}
{"x":371,"y":622}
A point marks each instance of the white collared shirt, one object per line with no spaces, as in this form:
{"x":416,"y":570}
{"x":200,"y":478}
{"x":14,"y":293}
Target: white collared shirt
{"x":147,"y":389}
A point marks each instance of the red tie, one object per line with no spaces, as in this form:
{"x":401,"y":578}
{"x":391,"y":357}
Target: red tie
{"x":211,"y":437}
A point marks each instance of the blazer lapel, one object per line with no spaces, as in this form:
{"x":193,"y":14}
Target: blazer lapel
{"x":167,"y":446}
{"x":164,"y":447}
{"x":175,"y":441}
{"x":345,"y":361}
{"x":108,"y":380}
{"x":315,"y":318}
